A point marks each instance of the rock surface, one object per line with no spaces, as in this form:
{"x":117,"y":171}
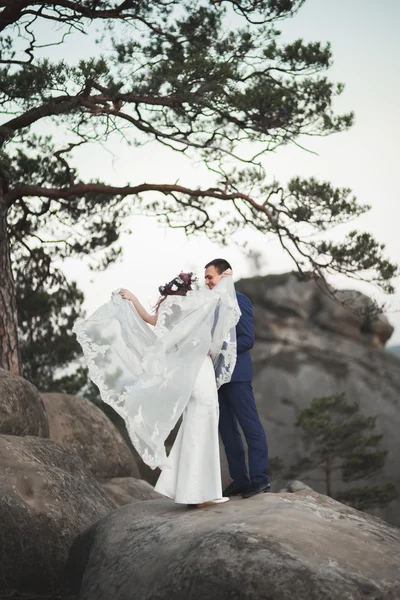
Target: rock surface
{"x":300,"y":546}
{"x":286,"y":299}
{"x":47,"y":496}
{"x":125,"y":490}
{"x":21,"y":408}
{"x":296,"y":486}
{"x":82,"y":427}
{"x":307,"y":346}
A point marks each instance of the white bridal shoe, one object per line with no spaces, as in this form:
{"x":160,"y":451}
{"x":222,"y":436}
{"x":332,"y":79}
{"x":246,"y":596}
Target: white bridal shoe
{"x":209,"y":503}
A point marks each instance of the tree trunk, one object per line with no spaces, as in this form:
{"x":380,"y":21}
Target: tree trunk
{"x":9,"y":351}
{"x":328,"y":474}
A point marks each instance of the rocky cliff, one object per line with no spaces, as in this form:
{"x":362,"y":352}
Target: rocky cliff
{"x":308,"y":345}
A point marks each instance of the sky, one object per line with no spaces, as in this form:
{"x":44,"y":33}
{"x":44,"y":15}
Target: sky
{"x":366,"y":51}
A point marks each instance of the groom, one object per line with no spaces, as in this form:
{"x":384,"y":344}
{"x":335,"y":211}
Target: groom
{"x":237,"y":405}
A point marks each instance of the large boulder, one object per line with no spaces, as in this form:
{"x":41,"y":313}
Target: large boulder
{"x":309,"y":346}
{"x":287,"y":299}
{"x":82,"y":427}
{"x":277,"y":546}
{"x":125,"y":490}
{"x":21,"y":407}
{"x":47,"y":496}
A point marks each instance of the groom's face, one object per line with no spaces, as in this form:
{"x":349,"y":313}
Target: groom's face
{"x":212,"y":277}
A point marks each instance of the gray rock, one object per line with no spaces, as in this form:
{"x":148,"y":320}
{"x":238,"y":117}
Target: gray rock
{"x":284,"y":299}
{"x":47,"y":496}
{"x":352,"y":315}
{"x":125,"y":490}
{"x":306,"y":347}
{"x":21,"y":407}
{"x":296,"y":486}
{"x":82,"y":427}
{"x":279,"y":546}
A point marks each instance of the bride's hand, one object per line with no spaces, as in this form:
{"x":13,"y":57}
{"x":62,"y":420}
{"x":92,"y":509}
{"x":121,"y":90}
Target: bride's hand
{"x":226,"y":273}
{"x":126,"y":294}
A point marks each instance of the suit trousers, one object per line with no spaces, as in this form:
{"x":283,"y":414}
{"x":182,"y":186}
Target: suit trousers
{"x":237,"y":407}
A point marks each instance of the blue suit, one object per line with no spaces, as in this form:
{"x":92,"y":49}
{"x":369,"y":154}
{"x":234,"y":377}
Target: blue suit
{"x":237,"y":406}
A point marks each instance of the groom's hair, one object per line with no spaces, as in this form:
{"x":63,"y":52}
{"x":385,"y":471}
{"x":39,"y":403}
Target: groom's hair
{"x":220,"y":265}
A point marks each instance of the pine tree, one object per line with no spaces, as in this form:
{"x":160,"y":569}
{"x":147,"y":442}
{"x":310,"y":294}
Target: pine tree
{"x":48,"y":306}
{"x":343,"y":443}
{"x":181,"y":74}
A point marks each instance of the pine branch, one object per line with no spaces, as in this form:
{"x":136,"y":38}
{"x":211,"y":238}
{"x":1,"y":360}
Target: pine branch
{"x":83,"y":189}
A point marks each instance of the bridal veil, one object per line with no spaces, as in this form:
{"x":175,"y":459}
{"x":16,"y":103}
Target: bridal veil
{"x":147,"y":375}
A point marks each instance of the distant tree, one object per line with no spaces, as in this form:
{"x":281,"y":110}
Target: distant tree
{"x":341,"y":441}
{"x":275,"y":467}
{"x":48,"y":306}
{"x":369,"y":496}
{"x":46,"y":315}
{"x":256,"y":262}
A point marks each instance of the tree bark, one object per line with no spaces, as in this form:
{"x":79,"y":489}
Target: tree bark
{"x":9,"y":350}
{"x":11,"y":13}
{"x":328,"y":473}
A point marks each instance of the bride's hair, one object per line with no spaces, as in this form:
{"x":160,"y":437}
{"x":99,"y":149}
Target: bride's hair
{"x":179,"y":286}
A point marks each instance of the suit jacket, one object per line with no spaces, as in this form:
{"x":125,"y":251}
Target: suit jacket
{"x":245,"y":340}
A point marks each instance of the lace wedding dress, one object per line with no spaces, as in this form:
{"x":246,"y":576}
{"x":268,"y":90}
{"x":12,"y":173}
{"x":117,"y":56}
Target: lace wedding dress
{"x":153,"y":376}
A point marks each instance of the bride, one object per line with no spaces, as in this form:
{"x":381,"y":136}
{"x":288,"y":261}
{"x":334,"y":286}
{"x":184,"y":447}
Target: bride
{"x":152,"y":377}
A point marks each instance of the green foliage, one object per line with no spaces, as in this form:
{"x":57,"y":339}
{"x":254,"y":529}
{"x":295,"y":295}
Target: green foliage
{"x":359,"y":252}
{"x":209,"y":79}
{"x":339,"y":439}
{"x":371,"y":496}
{"x":332,"y":425}
{"x":45,"y":317}
{"x":303,"y":465}
{"x":275,"y":467}
{"x":87,"y":226}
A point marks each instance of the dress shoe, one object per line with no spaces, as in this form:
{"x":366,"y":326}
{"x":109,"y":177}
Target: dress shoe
{"x":234,"y":490}
{"x":256,"y":488}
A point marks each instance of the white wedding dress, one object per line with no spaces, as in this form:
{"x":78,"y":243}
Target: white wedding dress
{"x":152,"y":377}
{"x":192,"y":474}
